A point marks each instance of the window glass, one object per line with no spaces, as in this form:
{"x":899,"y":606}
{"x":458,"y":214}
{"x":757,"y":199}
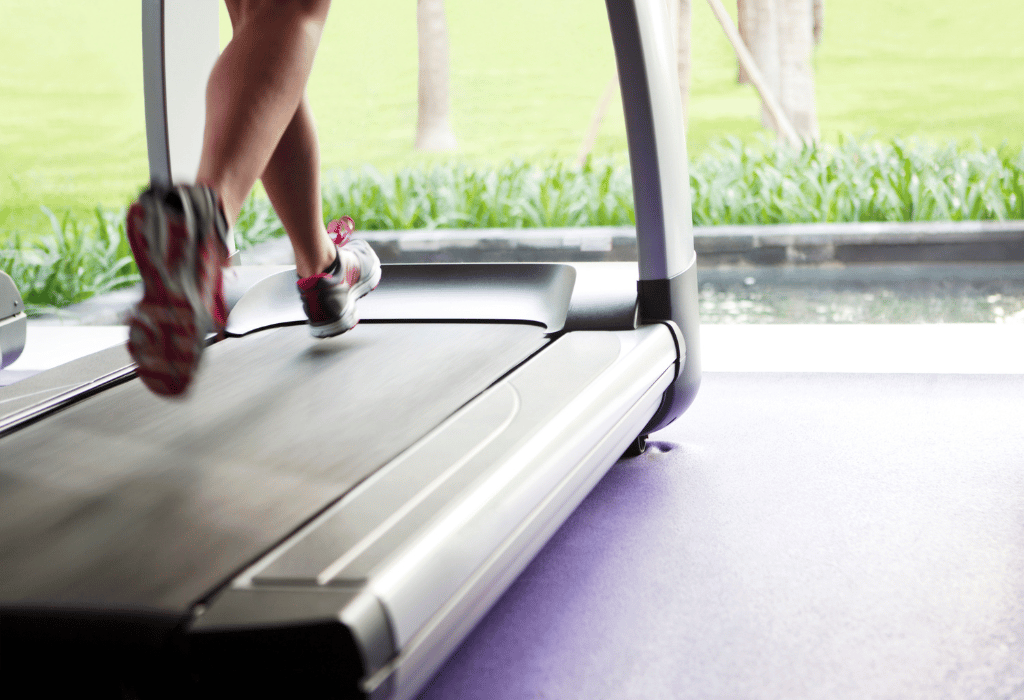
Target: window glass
{"x":918,"y":99}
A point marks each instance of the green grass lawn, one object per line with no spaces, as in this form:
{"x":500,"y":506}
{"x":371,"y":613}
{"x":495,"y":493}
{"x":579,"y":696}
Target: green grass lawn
{"x":526,"y":77}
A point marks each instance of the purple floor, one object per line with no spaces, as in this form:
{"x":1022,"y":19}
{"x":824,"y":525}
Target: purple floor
{"x":791,"y":536}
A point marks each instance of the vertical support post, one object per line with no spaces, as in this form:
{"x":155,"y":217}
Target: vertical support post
{"x":180,"y":43}
{"x":654,"y":132}
{"x":667,"y":288}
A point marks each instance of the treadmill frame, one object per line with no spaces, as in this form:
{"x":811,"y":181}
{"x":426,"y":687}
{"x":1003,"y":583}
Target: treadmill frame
{"x":666,"y":292}
{"x":509,"y":490}
{"x":431,"y":540}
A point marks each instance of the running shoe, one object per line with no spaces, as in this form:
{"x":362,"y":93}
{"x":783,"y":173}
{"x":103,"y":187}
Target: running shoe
{"x":329,"y":298}
{"x":180,"y":239}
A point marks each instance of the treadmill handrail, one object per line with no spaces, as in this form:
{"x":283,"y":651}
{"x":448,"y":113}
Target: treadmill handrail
{"x":653,"y":109}
{"x":180,"y":44}
{"x":651,"y":101}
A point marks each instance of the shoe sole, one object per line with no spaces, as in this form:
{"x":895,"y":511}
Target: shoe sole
{"x":167,"y":331}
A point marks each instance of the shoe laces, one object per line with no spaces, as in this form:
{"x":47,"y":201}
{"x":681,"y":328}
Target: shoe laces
{"x":341,"y":229}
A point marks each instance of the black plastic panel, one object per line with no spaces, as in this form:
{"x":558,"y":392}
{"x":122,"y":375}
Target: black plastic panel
{"x":288,"y":643}
{"x":675,"y":300}
{"x":240,"y":612}
{"x":81,"y":652}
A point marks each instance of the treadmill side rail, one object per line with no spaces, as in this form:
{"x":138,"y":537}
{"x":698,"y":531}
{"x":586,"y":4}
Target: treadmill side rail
{"x":437,"y":534}
{"x":444,"y":631}
{"x":42,"y":394}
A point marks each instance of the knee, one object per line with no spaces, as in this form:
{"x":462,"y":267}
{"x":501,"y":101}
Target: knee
{"x":310,"y":10}
{"x":314,"y":9}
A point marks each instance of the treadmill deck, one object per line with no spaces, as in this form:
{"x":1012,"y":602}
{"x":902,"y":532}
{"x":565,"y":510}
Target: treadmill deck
{"x":175,"y":496}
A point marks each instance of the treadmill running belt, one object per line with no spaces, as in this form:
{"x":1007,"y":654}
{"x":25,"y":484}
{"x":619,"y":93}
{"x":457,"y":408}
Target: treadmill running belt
{"x":127,"y":500}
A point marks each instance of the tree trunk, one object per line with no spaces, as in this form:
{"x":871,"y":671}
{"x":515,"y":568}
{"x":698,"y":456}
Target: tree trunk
{"x":759,"y":27}
{"x":818,"y":12}
{"x":819,"y":20}
{"x":780,"y":36}
{"x":433,"y":123}
{"x":769,"y":100}
{"x":796,"y":44}
{"x":590,"y":138}
{"x":747,"y":30}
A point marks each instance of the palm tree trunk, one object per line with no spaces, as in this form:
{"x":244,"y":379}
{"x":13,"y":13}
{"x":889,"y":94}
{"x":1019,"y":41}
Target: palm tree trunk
{"x":433,"y":123}
{"x":796,"y":44}
{"x":819,"y":20}
{"x":590,"y":138}
{"x":768,"y":99}
{"x":759,"y":27}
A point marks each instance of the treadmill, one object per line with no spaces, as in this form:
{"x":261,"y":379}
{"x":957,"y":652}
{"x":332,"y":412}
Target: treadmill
{"x":248,"y":539}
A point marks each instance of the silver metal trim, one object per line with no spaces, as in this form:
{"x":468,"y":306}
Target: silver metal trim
{"x":424,"y":654}
{"x":486,"y":490}
{"x":12,"y":338}
{"x":13,"y":421}
{"x":180,"y":44}
{"x":153,"y":91}
{"x":657,"y":142}
{"x":415,"y":580}
{"x":335,"y":569}
{"x":13,"y":321}
{"x":364,"y":527}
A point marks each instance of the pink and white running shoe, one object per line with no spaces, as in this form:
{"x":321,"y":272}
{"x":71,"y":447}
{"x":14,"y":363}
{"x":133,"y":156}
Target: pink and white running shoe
{"x":329,"y":298}
{"x":180,"y":239}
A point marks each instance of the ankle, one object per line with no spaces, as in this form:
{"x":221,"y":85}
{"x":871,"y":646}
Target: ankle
{"x":316,"y":263}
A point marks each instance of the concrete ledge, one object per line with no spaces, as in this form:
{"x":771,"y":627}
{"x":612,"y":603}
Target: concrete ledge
{"x":860,"y":243}
{"x":716,"y":246}
{"x":897,"y":233}
{"x":793,"y":254}
{"x":478,"y":245}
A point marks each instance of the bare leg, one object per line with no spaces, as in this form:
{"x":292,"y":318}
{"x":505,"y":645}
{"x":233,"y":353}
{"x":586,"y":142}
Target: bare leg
{"x":257,"y":122}
{"x":292,"y":181}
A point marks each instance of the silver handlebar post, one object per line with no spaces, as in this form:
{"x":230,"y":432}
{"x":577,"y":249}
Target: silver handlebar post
{"x":667,"y":287}
{"x":180,"y":43}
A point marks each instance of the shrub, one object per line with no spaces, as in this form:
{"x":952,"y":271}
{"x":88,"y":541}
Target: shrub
{"x":735,"y":183}
{"x":72,"y":263}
